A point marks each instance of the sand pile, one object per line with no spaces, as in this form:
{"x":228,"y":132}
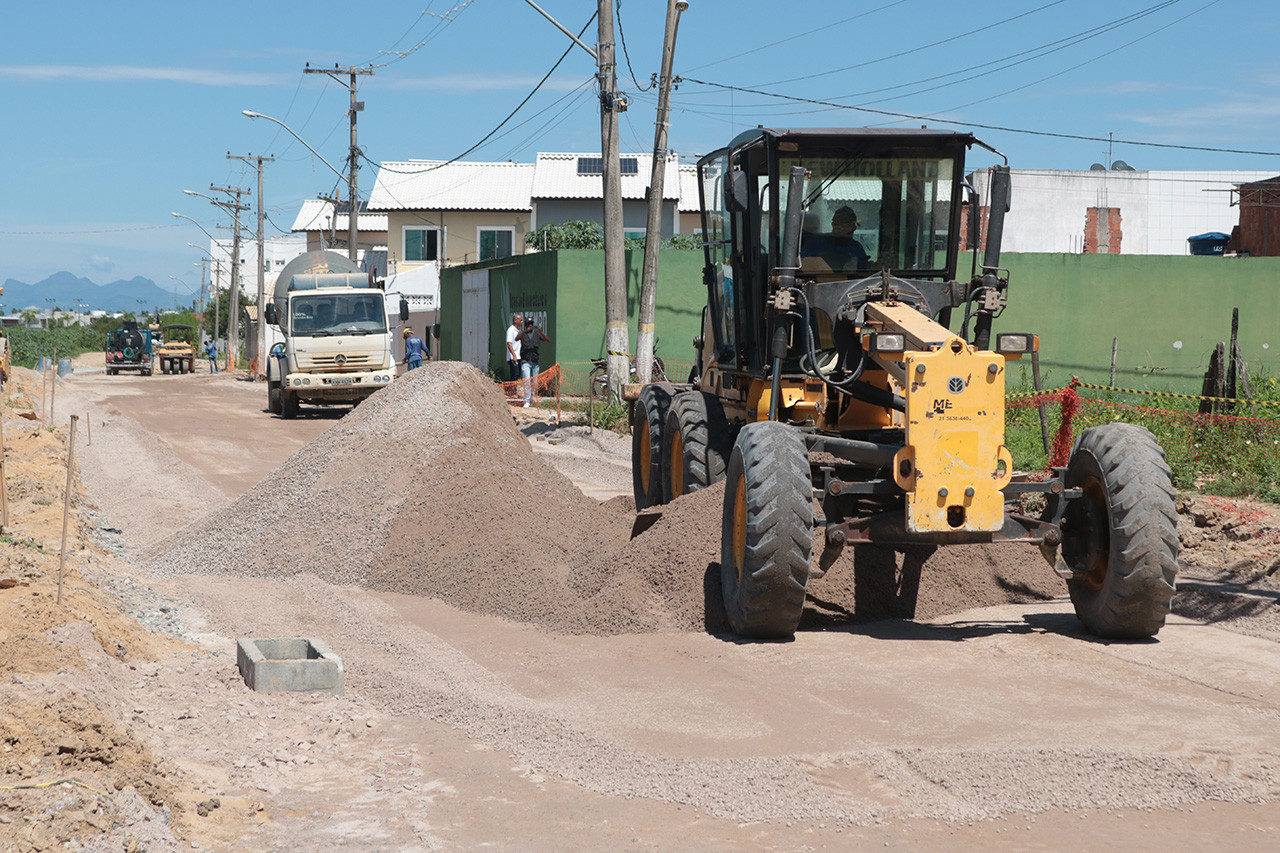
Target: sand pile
{"x":426,"y":488}
{"x":678,"y":559}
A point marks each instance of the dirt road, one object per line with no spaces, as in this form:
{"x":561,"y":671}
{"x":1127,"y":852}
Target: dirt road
{"x":1003,"y":727}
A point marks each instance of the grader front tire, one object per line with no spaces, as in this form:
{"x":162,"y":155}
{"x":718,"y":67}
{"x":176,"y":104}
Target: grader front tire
{"x":1120,"y":538}
{"x":766,"y":531}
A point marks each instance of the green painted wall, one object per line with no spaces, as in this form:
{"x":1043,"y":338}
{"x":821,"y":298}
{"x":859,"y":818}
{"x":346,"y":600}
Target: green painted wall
{"x":569,"y":286}
{"x":1168,"y":313}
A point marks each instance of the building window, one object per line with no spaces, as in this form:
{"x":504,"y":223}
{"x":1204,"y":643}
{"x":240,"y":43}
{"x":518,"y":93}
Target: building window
{"x":595,"y":166}
{"x":495,"y":243}
{"x":421,"y":244}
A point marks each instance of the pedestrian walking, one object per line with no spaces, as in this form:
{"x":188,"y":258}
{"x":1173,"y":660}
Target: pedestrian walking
{"x":513,"y":347}
{"x":414,"y":349}
{"x":211,"y":350}
{"x":530,"y":338}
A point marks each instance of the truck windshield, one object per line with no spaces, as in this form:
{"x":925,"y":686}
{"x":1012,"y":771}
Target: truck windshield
{"x":874,"y":213}
{"x":356,"y":313}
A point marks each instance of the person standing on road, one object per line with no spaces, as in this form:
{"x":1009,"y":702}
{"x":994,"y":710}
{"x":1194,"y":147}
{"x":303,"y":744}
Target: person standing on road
{"x":513,"y":347}
{"x":211,"y":350}
{"x":414,"y":349}
{"x":530,"y":339}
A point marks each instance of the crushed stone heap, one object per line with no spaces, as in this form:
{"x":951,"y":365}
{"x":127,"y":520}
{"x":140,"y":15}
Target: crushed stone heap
{"x":428,"y":488}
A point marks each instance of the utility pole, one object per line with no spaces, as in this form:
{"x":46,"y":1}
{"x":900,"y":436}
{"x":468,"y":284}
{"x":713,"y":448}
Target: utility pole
{"x":615,"y":274}
{"x":353,"y":156}
{"x":653,"y":228}
{"x":257,"y":368}
{"x":615,"y":280}
{"x":233,"y":307}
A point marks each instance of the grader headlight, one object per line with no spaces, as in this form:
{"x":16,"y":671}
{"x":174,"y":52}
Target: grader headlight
{"x":888,"y":343}
{"x":1015,"y":345}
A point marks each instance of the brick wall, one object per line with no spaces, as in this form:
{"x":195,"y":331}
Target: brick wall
{"x":1102,"y":231}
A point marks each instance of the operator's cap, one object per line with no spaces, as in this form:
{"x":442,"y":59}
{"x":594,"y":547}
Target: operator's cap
{"x":408,"y":332}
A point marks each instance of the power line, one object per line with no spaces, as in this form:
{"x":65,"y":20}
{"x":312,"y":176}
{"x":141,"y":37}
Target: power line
{"x":510,"y":115}
{"x":1002,"y":128}
{"x":623,"y":38}
{"x":898,"y":54}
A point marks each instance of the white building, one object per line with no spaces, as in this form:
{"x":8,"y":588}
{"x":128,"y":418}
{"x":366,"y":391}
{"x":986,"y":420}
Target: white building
{"x":1116,"y":212}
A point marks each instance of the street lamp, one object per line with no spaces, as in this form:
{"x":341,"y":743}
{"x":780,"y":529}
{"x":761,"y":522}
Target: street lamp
{"x":234,"y":272}
{"x":252,"y":114}
{"x":353,"y":212}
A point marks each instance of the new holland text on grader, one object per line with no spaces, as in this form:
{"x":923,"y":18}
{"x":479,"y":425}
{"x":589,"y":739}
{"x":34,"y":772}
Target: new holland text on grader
{"x":829,"y":390}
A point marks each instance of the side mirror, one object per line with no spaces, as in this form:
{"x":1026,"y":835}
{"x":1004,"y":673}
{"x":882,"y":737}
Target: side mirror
{"x":404,"y":309}
{"x":271,"y":313}
{"x":739,"y":194}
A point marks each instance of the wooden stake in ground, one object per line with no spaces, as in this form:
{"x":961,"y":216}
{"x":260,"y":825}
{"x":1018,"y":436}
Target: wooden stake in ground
{"x":44,"y":392}
{"x":4,"y":487}
{"x":53,"y":386}
{"x":66,"y":502}
{"x":1035,"y":378}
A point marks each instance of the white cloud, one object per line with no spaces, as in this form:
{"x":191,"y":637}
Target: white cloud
{"x":140,"y":73}
{"x":101,"y":263}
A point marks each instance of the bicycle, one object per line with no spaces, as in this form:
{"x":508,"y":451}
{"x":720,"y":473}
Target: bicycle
{"x":599,"y":376}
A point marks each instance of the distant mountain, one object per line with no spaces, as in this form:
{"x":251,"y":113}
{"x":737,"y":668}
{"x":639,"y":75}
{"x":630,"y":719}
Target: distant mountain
{"x":64,"y":289}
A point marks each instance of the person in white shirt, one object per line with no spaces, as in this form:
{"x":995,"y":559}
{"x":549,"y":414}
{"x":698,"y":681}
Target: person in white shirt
{"x":513,"y":348}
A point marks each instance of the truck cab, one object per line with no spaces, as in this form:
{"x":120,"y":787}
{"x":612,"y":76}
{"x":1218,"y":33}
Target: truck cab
{"x":337,"y":345}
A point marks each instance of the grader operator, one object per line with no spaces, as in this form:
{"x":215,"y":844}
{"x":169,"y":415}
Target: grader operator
{"x":832,"y":395}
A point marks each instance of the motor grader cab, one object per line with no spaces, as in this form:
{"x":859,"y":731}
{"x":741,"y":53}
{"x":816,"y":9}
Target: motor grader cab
{"x":831,"y":393}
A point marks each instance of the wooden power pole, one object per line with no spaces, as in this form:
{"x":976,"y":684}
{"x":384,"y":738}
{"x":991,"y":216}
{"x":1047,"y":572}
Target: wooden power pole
{"x":259,"y":367}
{"x":615,"y":274}
{"x":653,"y":228}
{"x":233,"y":307}
{"x":353,"y":156}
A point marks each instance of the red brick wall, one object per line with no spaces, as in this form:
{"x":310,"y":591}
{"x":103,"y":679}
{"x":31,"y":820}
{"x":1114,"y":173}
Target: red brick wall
{"x":1102,"y":232}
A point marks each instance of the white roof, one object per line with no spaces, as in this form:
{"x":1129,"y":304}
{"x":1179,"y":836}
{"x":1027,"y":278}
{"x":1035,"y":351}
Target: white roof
{"x":438,"y":185}
{"x":557,"y":176}
{"x":689,"y":189}
{"x":317,"y":215}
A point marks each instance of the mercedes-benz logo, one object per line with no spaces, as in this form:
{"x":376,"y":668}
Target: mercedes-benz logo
{"x":341,"y":359}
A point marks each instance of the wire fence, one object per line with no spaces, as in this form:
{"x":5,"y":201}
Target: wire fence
{"x":1227,"y":454}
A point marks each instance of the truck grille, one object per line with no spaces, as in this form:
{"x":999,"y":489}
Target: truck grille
{"x":329,"y":361}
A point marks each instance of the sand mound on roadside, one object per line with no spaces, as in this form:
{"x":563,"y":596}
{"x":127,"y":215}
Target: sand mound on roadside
{"x":426,"y":488}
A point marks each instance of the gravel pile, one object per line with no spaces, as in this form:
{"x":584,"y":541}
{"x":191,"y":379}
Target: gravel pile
{"x":426,"y":488}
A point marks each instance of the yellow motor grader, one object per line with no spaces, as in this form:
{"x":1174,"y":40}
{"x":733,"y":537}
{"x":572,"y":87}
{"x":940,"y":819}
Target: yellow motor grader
{"x":831,"y":393}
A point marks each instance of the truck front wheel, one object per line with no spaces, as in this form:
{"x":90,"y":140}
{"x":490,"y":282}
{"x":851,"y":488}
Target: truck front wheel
{"x":273,"y":398}
{"x":288,"y":405}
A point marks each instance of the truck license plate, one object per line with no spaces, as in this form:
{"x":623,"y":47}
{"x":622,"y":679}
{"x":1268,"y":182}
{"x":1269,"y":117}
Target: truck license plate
{"x":342,"y":381}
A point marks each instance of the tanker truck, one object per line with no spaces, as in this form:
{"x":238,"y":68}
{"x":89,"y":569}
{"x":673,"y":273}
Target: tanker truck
{"x":336,"y":348}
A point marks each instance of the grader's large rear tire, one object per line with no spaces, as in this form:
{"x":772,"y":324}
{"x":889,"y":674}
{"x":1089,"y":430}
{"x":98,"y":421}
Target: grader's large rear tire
{"x":696,"y":444}
{"x":766,"y":531}
{"x":1121,"y":536}
{"x":647,"y":421}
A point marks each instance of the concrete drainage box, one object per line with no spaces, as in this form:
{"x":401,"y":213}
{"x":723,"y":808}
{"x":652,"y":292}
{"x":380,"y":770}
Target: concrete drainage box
{"x":272,"y":666}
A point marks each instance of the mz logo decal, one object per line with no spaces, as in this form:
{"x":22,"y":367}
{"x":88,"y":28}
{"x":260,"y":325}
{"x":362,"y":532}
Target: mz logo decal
{"x":955,"y":384}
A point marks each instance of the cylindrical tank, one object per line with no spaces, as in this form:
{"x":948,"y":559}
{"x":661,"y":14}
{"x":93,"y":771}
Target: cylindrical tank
{"x":320,"y":261}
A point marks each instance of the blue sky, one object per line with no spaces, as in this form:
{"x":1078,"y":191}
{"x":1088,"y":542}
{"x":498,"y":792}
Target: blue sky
{"x":113,"y":109}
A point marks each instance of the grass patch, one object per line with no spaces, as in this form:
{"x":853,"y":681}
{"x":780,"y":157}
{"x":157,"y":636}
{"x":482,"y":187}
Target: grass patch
{"x":1230,"y":456}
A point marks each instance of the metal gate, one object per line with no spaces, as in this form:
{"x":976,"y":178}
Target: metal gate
{"x":475,"y":318}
